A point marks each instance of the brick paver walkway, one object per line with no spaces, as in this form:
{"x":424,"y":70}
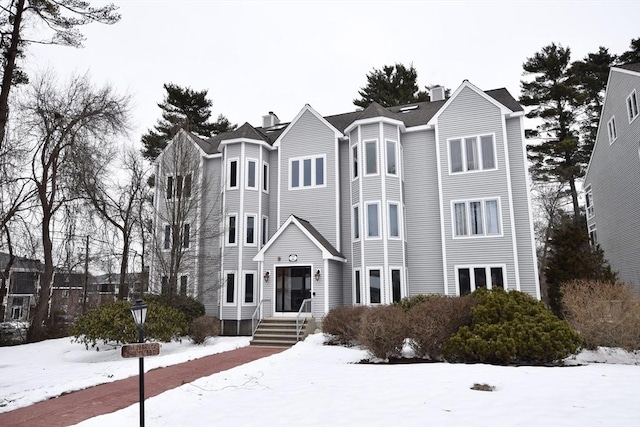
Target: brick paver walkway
{"x":81,"y":405}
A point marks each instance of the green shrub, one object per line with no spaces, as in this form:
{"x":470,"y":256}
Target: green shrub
{"x":433,"y":321}
{"x":604,"y":313}
{"x":407,"y":303}
{"x":113,"y":323}
{"x":383,"y":330}
{"x":341,"y":325}
{"x":511,"y":328}
{"x":190,"y":307}
{"x":203,"y":327}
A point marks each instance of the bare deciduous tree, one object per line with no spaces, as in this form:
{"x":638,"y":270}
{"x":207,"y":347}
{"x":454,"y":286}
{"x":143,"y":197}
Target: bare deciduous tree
{"x":67,"y":125}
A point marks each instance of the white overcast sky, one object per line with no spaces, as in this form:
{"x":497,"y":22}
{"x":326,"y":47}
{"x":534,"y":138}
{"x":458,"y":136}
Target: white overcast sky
{"x":260,"y":56}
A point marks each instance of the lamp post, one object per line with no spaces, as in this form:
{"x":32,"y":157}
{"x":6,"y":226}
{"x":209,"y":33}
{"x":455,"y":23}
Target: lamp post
{"x":139,"y":312}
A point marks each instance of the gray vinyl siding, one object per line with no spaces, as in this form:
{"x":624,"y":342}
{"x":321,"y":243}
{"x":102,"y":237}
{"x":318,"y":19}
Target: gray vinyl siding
{"x":614,"y":176}
{"x":209,"y":239}
{"x":336,"y":286}
{"x":424,"y":244}
{"x":308,"y":136}
{"x":468,"y":115}
{"x":273,"y":192}
{"x":527,"y":263}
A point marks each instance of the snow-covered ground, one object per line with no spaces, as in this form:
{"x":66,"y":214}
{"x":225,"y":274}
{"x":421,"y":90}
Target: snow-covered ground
{"x":313,"y":384}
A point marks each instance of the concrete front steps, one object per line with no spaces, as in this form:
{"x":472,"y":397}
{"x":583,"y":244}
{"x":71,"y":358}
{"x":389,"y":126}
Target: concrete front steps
{"x":281,"y":331}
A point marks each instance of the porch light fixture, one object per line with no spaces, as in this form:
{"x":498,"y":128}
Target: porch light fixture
{"x":266,"y":276}
{"x":317,"y":275}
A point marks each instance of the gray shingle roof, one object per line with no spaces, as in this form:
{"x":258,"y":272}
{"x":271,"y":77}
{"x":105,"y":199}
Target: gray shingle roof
{"x":319,"y":237}
{"x":631,"y":67}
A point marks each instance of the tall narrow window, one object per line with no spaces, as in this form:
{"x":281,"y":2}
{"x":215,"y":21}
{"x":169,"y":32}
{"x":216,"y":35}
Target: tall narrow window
{"x":357,"y":287}
{"x":230,"y":288}
{"x":265,"y":177}
{"x":167,"y":236}
{"x":460,"y":212}
{"x":249,"y":288}
{"x":233,"y":174}
{"x":306,"y":172}
{"x":251,"y":174}
{"x":396,"y":288}
{"x":183,"y":285}
{"x":374,"y":286}
{"x":186,"y":186}
{"x":356,"y":223}
{"x":488,"y":157}
{"x":455,"y":151}
{"x":232,"y":230}
{"x":319,"y":170}
{"x":480,"y":277}
{"x":475,"y":216}
{"x":295,"y":173}
{"x":491,"y":215}
{"x":372,"y":220}
{"x":186,"y":236}
{"x":354,"y":155}
{"x":589,"y":202}
{"x":593,"y":236}
{"x":250,"y":232}
{"x":265,"y":229}
{"x":497,"y":281}
{"x":394,"y":228}
{"x":611,"y":128}
{"x":169,"y":187}
{"x":179,"y":186}
{"x":632,"y":106}
{"x":464,"y":281}
{"x":391,"y":158}
{"x":371,"y":153}
{"x":471,"y":151}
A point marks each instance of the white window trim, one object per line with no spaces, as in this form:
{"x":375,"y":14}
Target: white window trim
{"x":365,"y":226}
{"x":255,"y":287}
{"x":367,"y":281}
{"x":588,"y":196}
{"x":353,"y":223}
{"x":168,"y":195}
{"x":464,"y":154}
{"x":255,"y":229}
{"x":402,"y":287}
{"x":264,"y":228}
{"x":632,"y":96}
{"x":235,"y":288}
{"x":472,"y":278}
{"x":612,"y":131}
{"x":228,"y":173}
{"x":351,"y":159}
{"x":399,"y":218}
{"x":364,"y":155}
{"x":594,"y":229}
{"x":359,"y":270}
{"x":256,"y":176}
{"x":226,"y":231}
{"x":265,"y":178}
{"x":386,"y":160}
{"x":301,"y":160}
{"x":484,"y":219}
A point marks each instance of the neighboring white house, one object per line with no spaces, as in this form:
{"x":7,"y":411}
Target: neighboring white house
{"x":365,"y":207}
{"x":612,"y":181}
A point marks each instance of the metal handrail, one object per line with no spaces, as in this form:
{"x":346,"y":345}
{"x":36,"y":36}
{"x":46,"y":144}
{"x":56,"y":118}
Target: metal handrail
{"x":299,"y":327}
{"x":254,"y":318}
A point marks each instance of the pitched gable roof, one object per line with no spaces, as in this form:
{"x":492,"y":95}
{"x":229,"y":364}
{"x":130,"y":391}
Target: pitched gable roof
{"x":631,"y":67}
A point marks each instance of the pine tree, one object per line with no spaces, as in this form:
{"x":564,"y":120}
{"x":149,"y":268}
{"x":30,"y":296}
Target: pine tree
{"x":554,"y":95}
{"x":572,"y":257}
{"x":392,"y":85}
{"x":182,"y":108}
{"x":632,"y":55}
{"x":591,"y":76}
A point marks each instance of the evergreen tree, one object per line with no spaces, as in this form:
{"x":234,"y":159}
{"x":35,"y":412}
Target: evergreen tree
{"x":632,"y":55}
{"x":182,"y":108}
{"x":392,"y":85}
{"x":554,"y":95}
{"x":591,"y":76}
{"x":572,"y":257}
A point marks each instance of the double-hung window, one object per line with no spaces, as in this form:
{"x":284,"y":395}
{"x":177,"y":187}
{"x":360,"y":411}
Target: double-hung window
{"x":371,"y":157}
{"x":392,"y":158}
{"x":632,"y":106}
{"x":396,"y":284}
{"x":250,"y":232}
{"x":307,"y":172}
{"x":251,"y":174}
{"x":611,"y":129}
{"x":394,"y":220}
{"x":250,"y":287}
{"x":373,"y":220}
{"x":588,"y":196}
{"x":472,"y":153}
{"x":375,"y":282}
{"x":230,"y":287}
{"x":476,"y":218}
{"x":593,"y":236}
{"x":470,"y":278}
{"x":232,"y":230}
{"x":232,"y":178}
